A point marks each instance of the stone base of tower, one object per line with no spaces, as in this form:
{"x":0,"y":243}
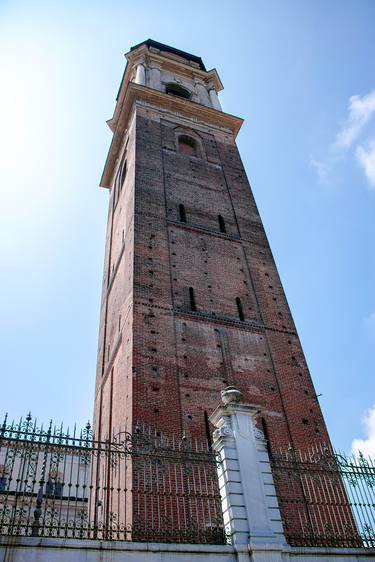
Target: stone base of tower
{"x":24,"y":549}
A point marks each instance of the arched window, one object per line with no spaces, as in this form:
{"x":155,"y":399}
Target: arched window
{"x":54,"y":485}
{"x":187,"y":145}
{"x":3,"y":483}
{"x":58,"y":491}
{"x":49,"y":487}
{"x":193,"y":306}
{"x":240,"y":310}
{"x":177,"y":90}
{"x":182,"y":212}
{"x":221,"y":224}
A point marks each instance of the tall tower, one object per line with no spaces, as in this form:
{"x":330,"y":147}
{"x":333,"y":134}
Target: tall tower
{"x":192,"y":300}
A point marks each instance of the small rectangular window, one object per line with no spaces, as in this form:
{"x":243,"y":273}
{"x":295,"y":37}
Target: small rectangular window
{"x":240,"y":309}
{"x":221,"y":224}
{"x":192,"y":299}
{"x":181,"y":209}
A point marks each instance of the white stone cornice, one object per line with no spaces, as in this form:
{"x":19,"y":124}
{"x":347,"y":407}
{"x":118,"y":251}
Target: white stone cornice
{"x":152,"y":58}
{"x":159,"y":100}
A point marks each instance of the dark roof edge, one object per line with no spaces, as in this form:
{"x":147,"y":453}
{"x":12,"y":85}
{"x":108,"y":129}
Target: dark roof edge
{"x":163,"y":47}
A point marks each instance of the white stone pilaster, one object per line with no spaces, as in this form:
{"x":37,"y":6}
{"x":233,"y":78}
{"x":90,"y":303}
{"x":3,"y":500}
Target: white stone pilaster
{"x":202,"y":93}
{"x":215,"y":99}
{"x":140,"y":75}
{"x":250,"y":506}
{"x":155,"y":77}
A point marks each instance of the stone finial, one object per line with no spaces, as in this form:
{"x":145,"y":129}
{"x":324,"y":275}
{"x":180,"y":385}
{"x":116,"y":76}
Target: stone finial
{"x":231,"y":394}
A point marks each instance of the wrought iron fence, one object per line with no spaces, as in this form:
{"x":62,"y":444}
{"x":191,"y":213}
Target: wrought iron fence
{"x":326,"y":498}
{"x":138,"y":487}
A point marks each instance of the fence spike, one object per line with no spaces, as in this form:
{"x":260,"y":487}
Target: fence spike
{"x":4,"y":424}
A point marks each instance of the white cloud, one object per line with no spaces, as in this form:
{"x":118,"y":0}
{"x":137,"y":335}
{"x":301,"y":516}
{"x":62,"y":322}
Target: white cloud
{"x":366,"y":159}
{"x":322,"y":168}
{"x":367,"y":445}
{"x":370,"y":325}
{"x":360,"y":111}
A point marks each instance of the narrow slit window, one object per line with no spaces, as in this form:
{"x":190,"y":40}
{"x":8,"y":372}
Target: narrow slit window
{"x":123,"y":175}
{"x":265,"y":433}
{"x":193,"y":306}
{"x":240,"y":309}
{"x":221,"y":224}
{"x":182,"y":212}
{"x":207,"y":427}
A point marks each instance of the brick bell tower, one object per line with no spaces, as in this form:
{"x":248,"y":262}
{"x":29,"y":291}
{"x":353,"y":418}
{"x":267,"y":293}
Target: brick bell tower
{"x":192,"y":301}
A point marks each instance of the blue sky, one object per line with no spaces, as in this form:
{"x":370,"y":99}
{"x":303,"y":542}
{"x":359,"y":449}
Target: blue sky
{"x":291,"y":69}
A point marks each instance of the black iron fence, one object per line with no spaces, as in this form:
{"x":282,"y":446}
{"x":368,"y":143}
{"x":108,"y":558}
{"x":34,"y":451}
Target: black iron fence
{"x":325,"y":498}
{"x":138,"y":487}
{"x":144,"y":487}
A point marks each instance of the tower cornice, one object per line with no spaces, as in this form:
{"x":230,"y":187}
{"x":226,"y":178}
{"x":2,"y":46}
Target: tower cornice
{"x":174,"y":65}
{"x":160,"y":100}
{"x":151,"y":57}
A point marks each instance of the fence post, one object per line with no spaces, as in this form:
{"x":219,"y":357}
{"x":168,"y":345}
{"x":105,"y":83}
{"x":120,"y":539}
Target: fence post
{"x":250,"y":507}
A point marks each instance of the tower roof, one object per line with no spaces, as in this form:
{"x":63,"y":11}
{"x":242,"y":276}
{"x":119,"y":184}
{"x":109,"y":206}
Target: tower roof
{"x":162,"y":47}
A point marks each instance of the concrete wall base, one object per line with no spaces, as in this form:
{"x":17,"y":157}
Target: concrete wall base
{"x":29,"y":549}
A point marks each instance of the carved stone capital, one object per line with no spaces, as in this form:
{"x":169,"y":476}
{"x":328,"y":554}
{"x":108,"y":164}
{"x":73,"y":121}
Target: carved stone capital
{"x":258,"y":434}
{"x":224,"y":431}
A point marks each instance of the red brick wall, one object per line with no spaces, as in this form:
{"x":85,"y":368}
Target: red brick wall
{"x":170,"y":363}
